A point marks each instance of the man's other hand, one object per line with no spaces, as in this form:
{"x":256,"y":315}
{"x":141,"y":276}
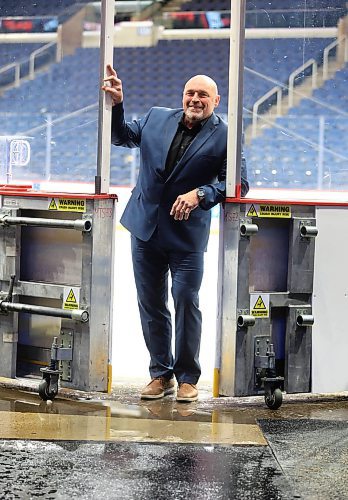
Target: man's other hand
{"x":113,"y":85}
{"x":184,"y":204}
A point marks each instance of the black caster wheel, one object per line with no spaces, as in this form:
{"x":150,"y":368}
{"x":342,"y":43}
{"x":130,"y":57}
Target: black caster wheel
{"x":274,"y":399}
{"x":44,"y":392}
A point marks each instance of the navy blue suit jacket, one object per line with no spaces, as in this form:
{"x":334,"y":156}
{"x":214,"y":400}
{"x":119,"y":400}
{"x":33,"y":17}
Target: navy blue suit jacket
{"x":202,"y":165}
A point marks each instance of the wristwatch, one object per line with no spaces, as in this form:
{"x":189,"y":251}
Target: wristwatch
{"x":200,"y":193}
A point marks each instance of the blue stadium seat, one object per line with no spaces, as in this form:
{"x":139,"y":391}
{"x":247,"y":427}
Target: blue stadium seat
{"x":302,"y":151}
{"x":169,"y":63}
{"x":37,"y":8}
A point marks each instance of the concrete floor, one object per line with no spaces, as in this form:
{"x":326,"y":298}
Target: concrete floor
{"x":115,"y":446}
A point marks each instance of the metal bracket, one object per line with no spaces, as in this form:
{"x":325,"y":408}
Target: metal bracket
{"x":247,"y":228}
{"x":261,"y":350}
{"x":4,"y":213}
{"x":261,"y":357}
{"x":66,"y":340}
{"x":304,"y":317}
{"x":264,"y":364}
{"x":308,"y":229}
{"x":244,"y":318}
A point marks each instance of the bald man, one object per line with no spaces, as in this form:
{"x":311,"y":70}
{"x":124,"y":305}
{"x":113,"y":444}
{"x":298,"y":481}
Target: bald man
{"x":181,"y":177}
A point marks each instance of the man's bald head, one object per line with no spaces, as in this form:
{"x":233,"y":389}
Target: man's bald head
{"x":200,"y":98}
{"x":209,"y":81}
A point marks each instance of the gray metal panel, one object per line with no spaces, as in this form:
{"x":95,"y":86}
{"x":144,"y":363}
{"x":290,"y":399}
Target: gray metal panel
{"x":297,"y":353}
{"x":301,"y":257}
{"x":40,"y":289}
{"x":51,"y":255}
{"x":97,"y":287}
{"x":243,"y":299}
{"x":244,"y":363}
{"x":8,"y":345}
{"x":9,"y":255}
{"x":59,"y":257}
{"x":245,"y":356}
{"x":26,"y":202}
{"x":8,"y":252}
{"x":265,"y":264}
{"x":269,"y":249}
{"x":37,"y":330}
{"x":227,"y":315}
{"x":330,"y":301}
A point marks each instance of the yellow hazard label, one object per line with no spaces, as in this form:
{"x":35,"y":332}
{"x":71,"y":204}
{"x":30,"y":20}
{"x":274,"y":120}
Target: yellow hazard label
{"x":67,"y":205}
{"x":269,"y":210}
{"x":53,"y":205}
{"x":252,"y":212}
{"x":259,"y":305}
{"x":70,"y":301}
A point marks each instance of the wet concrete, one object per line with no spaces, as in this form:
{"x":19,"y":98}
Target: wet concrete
{"x":116,"y":446}
{"x":23,"y":417}
{"x":139,"y":471}
{"x":313,"y":455}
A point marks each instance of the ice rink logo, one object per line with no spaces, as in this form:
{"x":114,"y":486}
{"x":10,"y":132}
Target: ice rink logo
{"x":19,"y":152}
{"x":14,"y":152}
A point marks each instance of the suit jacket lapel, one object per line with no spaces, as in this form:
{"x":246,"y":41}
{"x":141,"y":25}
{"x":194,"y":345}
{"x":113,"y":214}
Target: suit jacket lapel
{"x":202,"y":136}
{"x":169,"y":133}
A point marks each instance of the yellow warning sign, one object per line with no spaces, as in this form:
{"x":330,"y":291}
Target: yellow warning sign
{"x":269,"y":210}
{"x":53,"y":205}
{"x":259,"y":305}
{"x":252,"y":212}
{"x":279,"y":211}
{"x":67,"y":205}
{"x":70,"y":300}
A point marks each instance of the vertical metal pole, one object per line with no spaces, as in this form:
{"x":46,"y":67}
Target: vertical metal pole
{"x":225,"y":360}
{"x":219,"y":329}
{"x":102,"y":181}
{"x":6,"y":159}
{"x":48,"y":146}
{"x":235,"y":96}
{"x":321,"y":151}
{"x":8,"y":162}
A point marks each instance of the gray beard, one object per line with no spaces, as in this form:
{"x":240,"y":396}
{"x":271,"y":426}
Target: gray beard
{"x":194,"y":116}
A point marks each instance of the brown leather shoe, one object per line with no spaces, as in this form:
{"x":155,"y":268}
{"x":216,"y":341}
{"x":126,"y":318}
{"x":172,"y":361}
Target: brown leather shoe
{"x":187,"y":393}
{"x":158,"y":388}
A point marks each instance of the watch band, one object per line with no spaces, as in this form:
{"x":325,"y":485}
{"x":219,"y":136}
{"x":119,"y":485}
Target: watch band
{"x":200,"y":193}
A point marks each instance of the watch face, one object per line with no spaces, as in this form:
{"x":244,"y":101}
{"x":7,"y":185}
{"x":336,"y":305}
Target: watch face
{"x":200,"y":193}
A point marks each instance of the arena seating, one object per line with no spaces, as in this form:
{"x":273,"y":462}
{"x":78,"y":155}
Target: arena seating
{"x":206,"y":5}
{"x":37,"y":8}
{"x":269,"y":5}
{"x":149,"y":79}
{"x":269,"y":13}
{"x":288,"y":155}
{"x":271,"y":58}
{"x":15,"y":52}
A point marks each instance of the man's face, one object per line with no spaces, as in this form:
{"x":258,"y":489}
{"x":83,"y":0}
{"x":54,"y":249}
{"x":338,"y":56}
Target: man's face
{"x":199,"y":99}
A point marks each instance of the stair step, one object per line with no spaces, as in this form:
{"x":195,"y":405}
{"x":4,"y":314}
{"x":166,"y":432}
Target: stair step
{"x":301,"y":91}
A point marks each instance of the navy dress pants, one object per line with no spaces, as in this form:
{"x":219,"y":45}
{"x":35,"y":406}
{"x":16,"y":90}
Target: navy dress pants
{"x":152,"y":264}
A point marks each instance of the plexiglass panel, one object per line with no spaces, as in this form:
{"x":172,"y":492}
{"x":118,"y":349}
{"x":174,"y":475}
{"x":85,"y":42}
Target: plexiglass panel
{"x":295,"y":94}
{"x":295,"y":79}
{"x":49,"y":86}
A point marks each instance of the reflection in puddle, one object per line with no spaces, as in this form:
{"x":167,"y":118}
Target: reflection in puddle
{"x":210,"y":421}
{"x":219,"y":410}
